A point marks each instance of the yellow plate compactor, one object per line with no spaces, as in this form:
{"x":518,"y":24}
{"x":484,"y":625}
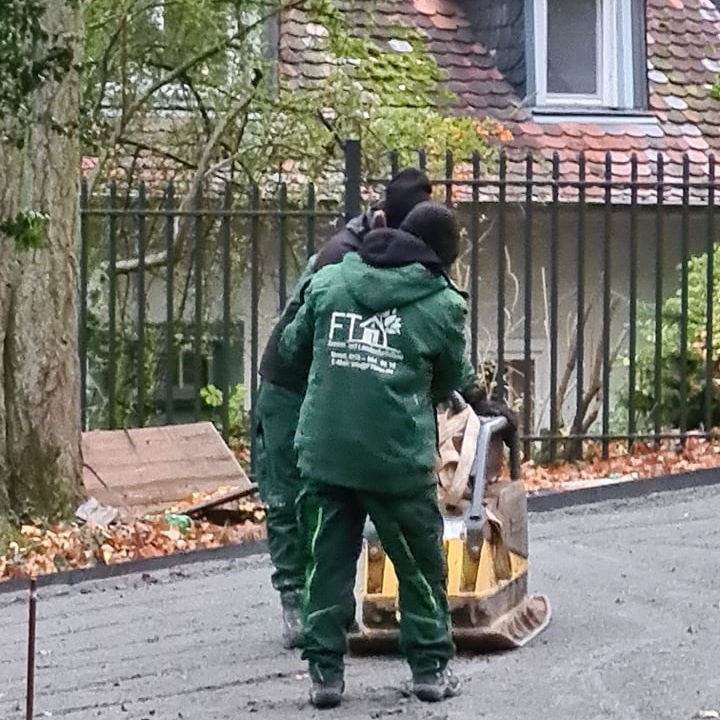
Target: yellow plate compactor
{"x":486,"y":543}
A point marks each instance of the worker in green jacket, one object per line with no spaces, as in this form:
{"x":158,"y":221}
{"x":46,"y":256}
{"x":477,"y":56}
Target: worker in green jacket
{"x":278,"y":400}
{"x":382,"y":338}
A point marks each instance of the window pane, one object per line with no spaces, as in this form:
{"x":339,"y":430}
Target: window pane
{"x":572,"y":46}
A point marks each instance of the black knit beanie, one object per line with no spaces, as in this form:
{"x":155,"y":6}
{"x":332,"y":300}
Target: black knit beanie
{"x":437,"y":227}
{"x":408,"y":188}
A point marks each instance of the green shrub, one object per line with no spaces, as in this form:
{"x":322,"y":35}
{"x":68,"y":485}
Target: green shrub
{"x":238,"y":418}
{"x":666,"y":409}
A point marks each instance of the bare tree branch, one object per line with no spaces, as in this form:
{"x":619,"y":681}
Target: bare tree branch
{"x":168,"y":78}
{"x":164,"y":152}
{"x":564,"y":386}
{"x":584,"y":417}
{"x":202,"y":170}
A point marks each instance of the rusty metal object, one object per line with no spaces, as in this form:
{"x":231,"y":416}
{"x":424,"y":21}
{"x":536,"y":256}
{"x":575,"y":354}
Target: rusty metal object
{"x":521,"y":624}
{"x":32,"y":627}
{"x":477,"y":626}
{"x":202,"y":508}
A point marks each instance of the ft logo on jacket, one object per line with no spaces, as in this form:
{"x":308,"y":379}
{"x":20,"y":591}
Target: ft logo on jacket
{"x":365,"y":343}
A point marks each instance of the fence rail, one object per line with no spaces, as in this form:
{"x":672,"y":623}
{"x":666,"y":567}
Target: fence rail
{"x":592,"y":295}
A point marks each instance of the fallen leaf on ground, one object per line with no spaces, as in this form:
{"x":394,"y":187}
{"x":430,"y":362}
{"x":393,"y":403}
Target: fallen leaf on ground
{"x":646,"y":461}
{"x":64,"y":547}
{"x":38,"y":550}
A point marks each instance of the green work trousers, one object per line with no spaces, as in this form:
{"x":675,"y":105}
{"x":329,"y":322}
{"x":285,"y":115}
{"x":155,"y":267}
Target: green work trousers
{"x":276,"y":418}
{"x":411,"y":533}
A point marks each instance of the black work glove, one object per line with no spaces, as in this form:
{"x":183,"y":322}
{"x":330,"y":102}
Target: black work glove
{"x":493,"y":408}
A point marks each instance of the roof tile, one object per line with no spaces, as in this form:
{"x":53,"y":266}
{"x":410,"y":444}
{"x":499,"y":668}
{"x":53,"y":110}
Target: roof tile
{"x":446,"y":7}
{"x":698,"y":157}
{"x":657,"y":102}
{"x":445,"y":22}
{"x":657,"y":76}
{"x":697,"y":143}
{"x":683,"y":64}
{"x":530,"y":129}
{"x":426,"y":7}
{"x":571,"y":129}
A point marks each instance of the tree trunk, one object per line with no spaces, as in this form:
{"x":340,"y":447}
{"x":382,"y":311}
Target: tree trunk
{"x":40,"y":457}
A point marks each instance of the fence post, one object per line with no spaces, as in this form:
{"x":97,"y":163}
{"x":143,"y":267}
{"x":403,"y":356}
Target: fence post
{"x":255,"y":229}
{"x":353,"y":178}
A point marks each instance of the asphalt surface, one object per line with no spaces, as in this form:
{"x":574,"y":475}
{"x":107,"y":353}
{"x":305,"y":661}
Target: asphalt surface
{"x":635,"y":588}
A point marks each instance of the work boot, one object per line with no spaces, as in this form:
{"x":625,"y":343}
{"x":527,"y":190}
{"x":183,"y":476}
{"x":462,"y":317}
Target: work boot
{"x":292,"y":619}
{"x":433,"y":687}
{"x":324,"y":695}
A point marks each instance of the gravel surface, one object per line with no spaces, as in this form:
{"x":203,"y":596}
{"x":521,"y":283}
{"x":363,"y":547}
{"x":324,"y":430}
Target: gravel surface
{"x":635,"y":588}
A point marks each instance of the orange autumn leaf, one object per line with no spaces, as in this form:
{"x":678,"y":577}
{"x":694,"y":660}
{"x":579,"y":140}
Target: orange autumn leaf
{"x":38,"y":550}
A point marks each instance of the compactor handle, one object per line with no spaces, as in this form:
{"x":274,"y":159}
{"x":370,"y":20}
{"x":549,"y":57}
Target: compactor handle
{"x":457,"y":404}
{"x":489,"y":426}
{"x":477,"y":517}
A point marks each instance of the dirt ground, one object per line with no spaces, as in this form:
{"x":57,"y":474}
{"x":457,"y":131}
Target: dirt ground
{"x":635,"y":587}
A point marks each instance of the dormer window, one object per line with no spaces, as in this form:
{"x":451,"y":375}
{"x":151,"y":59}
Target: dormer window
{"x":586,"y":54}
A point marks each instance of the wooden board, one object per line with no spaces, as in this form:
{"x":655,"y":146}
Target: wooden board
{"x":147,"y":469}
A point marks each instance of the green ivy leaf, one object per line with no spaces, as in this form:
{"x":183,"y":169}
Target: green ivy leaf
{"x":28,"y":229}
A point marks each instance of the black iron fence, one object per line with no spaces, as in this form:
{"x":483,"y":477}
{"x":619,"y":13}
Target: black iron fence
{"x":591,"y":281}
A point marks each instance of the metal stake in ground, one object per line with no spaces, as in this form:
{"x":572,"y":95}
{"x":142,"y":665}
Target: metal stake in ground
{"x":30,"y":696}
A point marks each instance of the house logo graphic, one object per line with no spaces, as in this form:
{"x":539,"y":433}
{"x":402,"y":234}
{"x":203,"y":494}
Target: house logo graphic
{"x":377,"y":328}
{"x":365,"y":343}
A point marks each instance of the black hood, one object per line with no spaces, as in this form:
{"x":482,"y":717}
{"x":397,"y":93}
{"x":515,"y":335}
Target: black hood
{"x":437,"y":227}
{"x":388,"y":248}
{"x":408,"y":188}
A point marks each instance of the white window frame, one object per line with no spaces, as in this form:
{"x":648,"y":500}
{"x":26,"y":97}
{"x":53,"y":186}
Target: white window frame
{"x":615,"y":61}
